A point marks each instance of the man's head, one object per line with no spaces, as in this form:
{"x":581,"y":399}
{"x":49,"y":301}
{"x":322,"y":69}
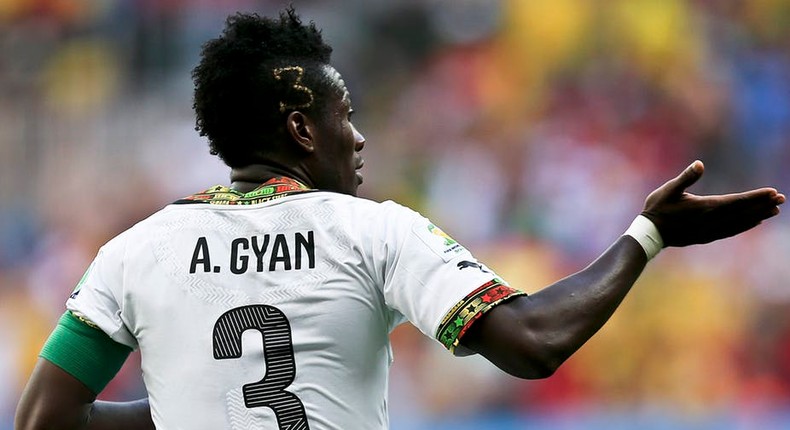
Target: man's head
{"x":266,"y":94}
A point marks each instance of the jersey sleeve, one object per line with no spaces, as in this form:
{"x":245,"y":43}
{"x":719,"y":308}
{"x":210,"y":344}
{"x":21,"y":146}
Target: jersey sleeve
{"x":435,"y":282}
{"x":98,"y":298}
{"x":84,"y":352}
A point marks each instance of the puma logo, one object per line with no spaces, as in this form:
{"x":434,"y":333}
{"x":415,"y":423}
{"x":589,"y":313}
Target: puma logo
{"x":464,"y":264}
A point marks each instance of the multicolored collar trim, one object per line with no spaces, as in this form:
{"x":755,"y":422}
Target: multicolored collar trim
{"x":275,"y":188}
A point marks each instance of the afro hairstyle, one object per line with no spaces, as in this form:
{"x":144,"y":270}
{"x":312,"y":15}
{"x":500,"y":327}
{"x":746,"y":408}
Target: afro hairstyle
{"x":252,"y":76}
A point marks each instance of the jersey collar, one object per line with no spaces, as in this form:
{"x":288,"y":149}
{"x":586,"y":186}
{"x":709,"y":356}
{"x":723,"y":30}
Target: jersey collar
{"x":272,"y":189}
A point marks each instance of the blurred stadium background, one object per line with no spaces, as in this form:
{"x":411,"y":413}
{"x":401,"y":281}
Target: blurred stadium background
{"x":529,"y":130}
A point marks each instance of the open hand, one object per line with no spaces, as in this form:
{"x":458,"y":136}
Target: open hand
{"x":684,"y":219}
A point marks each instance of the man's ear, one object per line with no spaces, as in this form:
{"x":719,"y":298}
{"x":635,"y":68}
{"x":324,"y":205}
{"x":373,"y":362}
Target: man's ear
{"x":301,"y":129}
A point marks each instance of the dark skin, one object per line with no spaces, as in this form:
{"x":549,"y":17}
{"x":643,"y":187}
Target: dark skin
{"x":529,"y":337}
{"x":53,"y":399}
{"x":323,"y":152}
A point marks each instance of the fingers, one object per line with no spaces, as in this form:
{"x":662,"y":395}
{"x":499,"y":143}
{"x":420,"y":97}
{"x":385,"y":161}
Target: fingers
{"x":685,"y":179}
{"x":772,"y":193}
{"x":752,"y":208}
{"x":778,"y":198}
{"x":729,"y":211}
{"x":684,"y":218}
{"x":735,"y":229}
{"x":762,"y":197}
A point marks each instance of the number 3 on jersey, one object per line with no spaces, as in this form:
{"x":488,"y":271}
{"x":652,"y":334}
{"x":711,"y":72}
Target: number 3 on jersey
{"x":278,"y":353}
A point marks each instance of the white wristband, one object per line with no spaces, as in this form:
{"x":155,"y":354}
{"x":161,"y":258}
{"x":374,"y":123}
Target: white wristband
{"x":646,"y":233}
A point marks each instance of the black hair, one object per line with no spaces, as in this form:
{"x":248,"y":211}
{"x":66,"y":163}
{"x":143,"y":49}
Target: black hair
{"x":259,"y":70}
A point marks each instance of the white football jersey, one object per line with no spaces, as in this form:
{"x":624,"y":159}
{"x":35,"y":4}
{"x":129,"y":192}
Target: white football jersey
{"x":276,"y":314}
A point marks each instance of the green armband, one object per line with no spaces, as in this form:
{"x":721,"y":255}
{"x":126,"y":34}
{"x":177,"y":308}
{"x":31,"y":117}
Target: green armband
{"x":84,"y":352}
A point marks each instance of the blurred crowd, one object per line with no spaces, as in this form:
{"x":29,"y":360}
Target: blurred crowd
{"x":530,"y":130}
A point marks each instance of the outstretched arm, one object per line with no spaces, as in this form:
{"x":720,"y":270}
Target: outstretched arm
{"x":531,"y":336}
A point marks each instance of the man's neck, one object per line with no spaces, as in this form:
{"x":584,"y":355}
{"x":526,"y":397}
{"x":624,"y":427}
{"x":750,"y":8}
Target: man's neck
{"x":247,"y":178}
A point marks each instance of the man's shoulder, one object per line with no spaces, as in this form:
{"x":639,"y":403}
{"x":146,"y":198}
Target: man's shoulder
{"x":386,"y":208}
{"x":138,"y":230}
{"x":352,"y":201}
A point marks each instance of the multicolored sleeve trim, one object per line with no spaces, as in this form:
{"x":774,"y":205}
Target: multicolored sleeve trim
{"x":458,"y":320}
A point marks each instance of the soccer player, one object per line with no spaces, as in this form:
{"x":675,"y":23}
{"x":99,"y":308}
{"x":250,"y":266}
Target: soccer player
{"x":268,"y":303}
